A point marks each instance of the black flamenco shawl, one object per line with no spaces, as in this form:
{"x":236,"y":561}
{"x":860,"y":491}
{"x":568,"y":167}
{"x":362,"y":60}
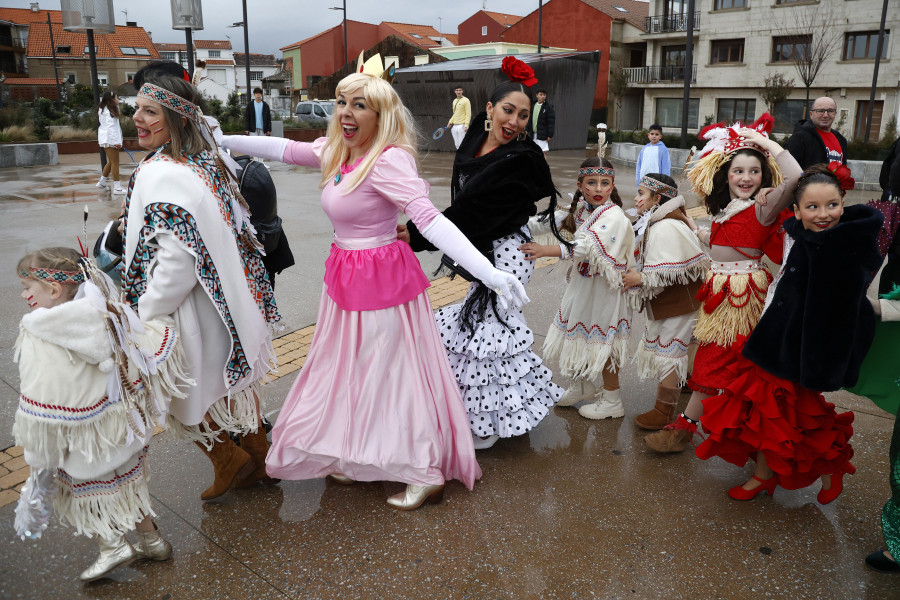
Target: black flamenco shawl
{"x":493,"y":196}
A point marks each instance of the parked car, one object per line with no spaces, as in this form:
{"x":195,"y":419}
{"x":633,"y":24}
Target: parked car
{"x":311,"y":110}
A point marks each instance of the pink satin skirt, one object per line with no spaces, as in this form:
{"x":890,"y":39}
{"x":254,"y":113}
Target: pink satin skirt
{"x":376,"y":400}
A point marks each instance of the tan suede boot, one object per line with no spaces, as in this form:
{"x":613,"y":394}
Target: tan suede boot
{"x":229,"y":462}
{"x":663,"y":413}
{"x":257,"y":446}
{"x":672,"y":438}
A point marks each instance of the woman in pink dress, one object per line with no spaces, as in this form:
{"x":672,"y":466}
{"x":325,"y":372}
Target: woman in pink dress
{"x":376,"y":399}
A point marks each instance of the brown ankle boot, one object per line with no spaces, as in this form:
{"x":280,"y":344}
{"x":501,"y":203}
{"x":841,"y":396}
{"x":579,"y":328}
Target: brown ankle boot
{"x":257,"y":446}
{"x":663,"y":413}
{"x":672,"y":438}
{"x":228,"y":461}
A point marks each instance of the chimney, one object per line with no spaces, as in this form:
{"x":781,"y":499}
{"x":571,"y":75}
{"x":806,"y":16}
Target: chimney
{"x":35,"y":7}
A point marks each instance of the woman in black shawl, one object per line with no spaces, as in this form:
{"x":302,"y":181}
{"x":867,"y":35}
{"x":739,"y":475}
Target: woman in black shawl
{"x":499,"y":176}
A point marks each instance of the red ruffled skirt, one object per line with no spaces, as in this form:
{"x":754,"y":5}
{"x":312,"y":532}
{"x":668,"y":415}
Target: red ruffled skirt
{"x":799,"y":433}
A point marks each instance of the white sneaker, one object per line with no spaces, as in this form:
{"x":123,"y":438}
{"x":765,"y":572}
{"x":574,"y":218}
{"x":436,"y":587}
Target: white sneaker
{"x":607,"y":405}
{"x":483,"y":443}
{"x":118,"y":189}
{"x":103,"y":183}
{"x":580,"y":389}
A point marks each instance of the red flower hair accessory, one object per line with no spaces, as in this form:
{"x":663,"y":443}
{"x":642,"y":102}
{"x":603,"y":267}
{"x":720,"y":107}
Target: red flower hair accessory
{"x":842,"y":173}
{"x":516,"y":70}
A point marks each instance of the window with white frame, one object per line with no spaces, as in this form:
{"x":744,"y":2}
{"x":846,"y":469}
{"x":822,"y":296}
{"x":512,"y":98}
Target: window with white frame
{"x":168,"y":55}
{"x":215,"y":53}
{"x":668,"y":112}
{"x":103,"y":79}
{"x":256,"y":75}
{"x":71,"y":78}
{"x":484,"y":30}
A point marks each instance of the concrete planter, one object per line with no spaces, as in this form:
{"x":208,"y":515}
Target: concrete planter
{"x":28,"y":154}
{"x":304,"y":135}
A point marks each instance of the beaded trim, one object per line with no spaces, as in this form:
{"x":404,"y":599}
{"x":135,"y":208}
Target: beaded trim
{"x":658,"y":186}
{"x":168,"y":99}
{"x":607,"y":171}
{"x":64,"y":277}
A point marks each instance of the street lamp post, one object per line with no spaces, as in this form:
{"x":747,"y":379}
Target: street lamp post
{"x":344,"y":8}
{"x":187,"y":15}
{"x":89,"y":16}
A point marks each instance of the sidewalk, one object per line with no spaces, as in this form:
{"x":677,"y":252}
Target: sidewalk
{"x":575,"y":509}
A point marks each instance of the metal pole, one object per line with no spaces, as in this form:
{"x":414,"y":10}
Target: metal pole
{"x":688,"y":73}
{"x":247,"y":52}
{"x":95,"y":83}
{"x":189,"y":44}
{"x":346,"y":60}
{"x":875,"y":75}
{"x":540,"y":22}
{"x":55,"y":68}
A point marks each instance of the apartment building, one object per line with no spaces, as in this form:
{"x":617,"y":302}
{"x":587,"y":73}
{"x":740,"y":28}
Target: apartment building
{"x":221,"y":79}
{"x":738,"y":43}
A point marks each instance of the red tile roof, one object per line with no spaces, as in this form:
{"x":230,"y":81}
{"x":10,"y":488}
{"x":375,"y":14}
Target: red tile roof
{"x":108,"y":45}
{"x":634,"y":12}
{"x":31,"y":81}
{"x":23,"y":16}
{"x":218,"y":61}
{"x":212,"y":44}
{"x":406,"y":31}
{"x":503,"y":18}
{"x":163,"y":47}
{"x":256,"y":60}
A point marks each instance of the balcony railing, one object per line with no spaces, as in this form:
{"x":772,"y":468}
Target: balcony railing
{"x":658,"y":74}
{"x":670,"y":23}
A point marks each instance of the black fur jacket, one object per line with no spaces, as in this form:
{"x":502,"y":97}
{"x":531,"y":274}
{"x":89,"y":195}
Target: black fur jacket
{"x":819,"y":325}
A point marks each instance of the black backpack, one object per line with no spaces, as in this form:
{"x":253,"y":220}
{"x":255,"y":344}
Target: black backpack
{"x":258,"y":190}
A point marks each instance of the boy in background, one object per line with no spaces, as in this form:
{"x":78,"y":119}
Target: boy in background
{"x":654,"y":157}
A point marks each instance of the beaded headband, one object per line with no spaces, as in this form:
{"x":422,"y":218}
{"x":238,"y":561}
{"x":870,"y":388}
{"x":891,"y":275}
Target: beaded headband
{"x":171,"y":100}
{"x":607,"y":171}
{"x":63,"y":277}
{"x":658,"y":186}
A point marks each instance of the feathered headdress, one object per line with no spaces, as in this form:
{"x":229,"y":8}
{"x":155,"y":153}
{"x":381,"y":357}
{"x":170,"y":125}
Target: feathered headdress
{"x":722,"y":142}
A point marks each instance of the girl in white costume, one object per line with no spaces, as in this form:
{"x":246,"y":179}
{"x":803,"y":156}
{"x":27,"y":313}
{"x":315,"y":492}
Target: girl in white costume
{"x":95,"y":382}
{"x":589,"y":336}
{"x":671,"y":267}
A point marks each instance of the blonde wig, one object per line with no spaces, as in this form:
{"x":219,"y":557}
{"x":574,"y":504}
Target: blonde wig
{"x":395,"y":128}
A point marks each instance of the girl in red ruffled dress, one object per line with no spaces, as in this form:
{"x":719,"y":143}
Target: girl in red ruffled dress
{"x":812,"y":337}
{"x":734,"y":165}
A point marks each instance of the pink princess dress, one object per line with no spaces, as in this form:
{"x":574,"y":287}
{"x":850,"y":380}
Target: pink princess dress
{"x":376,"y":399}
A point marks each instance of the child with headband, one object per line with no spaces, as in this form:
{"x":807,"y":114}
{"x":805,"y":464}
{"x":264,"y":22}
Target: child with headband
{"x":589,"y":336}
{"x":671,"y":266}
{"x":95,"y":382}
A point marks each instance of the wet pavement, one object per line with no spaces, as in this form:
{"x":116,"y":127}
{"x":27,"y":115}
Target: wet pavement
{"x":574,"y":509}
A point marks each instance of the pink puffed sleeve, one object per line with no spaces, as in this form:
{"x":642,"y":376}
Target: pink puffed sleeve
{"x":304,"y":153}
{"x":396,"y":178}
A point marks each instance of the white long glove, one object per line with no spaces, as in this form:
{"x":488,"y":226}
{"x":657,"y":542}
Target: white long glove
{"x":443,"y":234}
{"x":261,"y":146}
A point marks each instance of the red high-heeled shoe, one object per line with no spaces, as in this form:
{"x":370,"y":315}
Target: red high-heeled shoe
{"x":766,"y":485}
{"x":837,"y":486}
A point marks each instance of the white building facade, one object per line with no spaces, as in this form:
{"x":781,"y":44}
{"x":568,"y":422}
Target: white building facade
{"x":738,"y":43}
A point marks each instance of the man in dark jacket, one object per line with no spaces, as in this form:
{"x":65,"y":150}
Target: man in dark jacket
{"x":542,"y":122}
{"x":815,"y":141}
{"x":257,"y":116}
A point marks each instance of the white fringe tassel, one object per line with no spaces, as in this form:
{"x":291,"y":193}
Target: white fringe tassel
{"x":578,"y":358}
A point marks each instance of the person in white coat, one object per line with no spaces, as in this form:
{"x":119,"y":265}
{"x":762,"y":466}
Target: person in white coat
{"x":109,"y":136}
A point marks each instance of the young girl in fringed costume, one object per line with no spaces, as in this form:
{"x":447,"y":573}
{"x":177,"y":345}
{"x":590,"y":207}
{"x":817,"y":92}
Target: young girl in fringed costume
{"x":589,"y":336}
{"x":734,"y":165}
{"x":95,"y":382}
{"x":774,"y":412}
{"x":671,"y":266}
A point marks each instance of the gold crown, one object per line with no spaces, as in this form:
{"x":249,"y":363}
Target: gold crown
{"x":375,"y":67}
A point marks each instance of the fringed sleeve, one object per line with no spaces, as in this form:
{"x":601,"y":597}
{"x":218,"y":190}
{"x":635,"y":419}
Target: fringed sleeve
{"x":604,"y":246}
{"x":673,"y":256}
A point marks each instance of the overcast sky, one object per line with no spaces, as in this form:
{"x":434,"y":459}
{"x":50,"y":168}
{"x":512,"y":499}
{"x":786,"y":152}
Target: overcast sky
{"x":278,"y":23}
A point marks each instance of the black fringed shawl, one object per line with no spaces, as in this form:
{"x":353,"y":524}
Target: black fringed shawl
{"x":493,"y":196}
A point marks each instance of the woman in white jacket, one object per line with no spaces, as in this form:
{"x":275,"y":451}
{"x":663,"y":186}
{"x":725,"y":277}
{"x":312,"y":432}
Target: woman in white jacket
{"x":109,"y":136}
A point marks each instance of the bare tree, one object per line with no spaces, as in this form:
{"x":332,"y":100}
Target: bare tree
{"x":618,"y":86}
{"x":815,"y":34}
{"x":776,"y":89}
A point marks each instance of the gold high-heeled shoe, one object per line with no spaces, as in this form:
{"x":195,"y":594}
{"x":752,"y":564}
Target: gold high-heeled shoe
{"x":416,"y":495}
{"x":341,"y":479}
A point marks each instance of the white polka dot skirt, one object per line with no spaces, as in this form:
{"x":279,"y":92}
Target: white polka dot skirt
{"x":505,"y":386}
